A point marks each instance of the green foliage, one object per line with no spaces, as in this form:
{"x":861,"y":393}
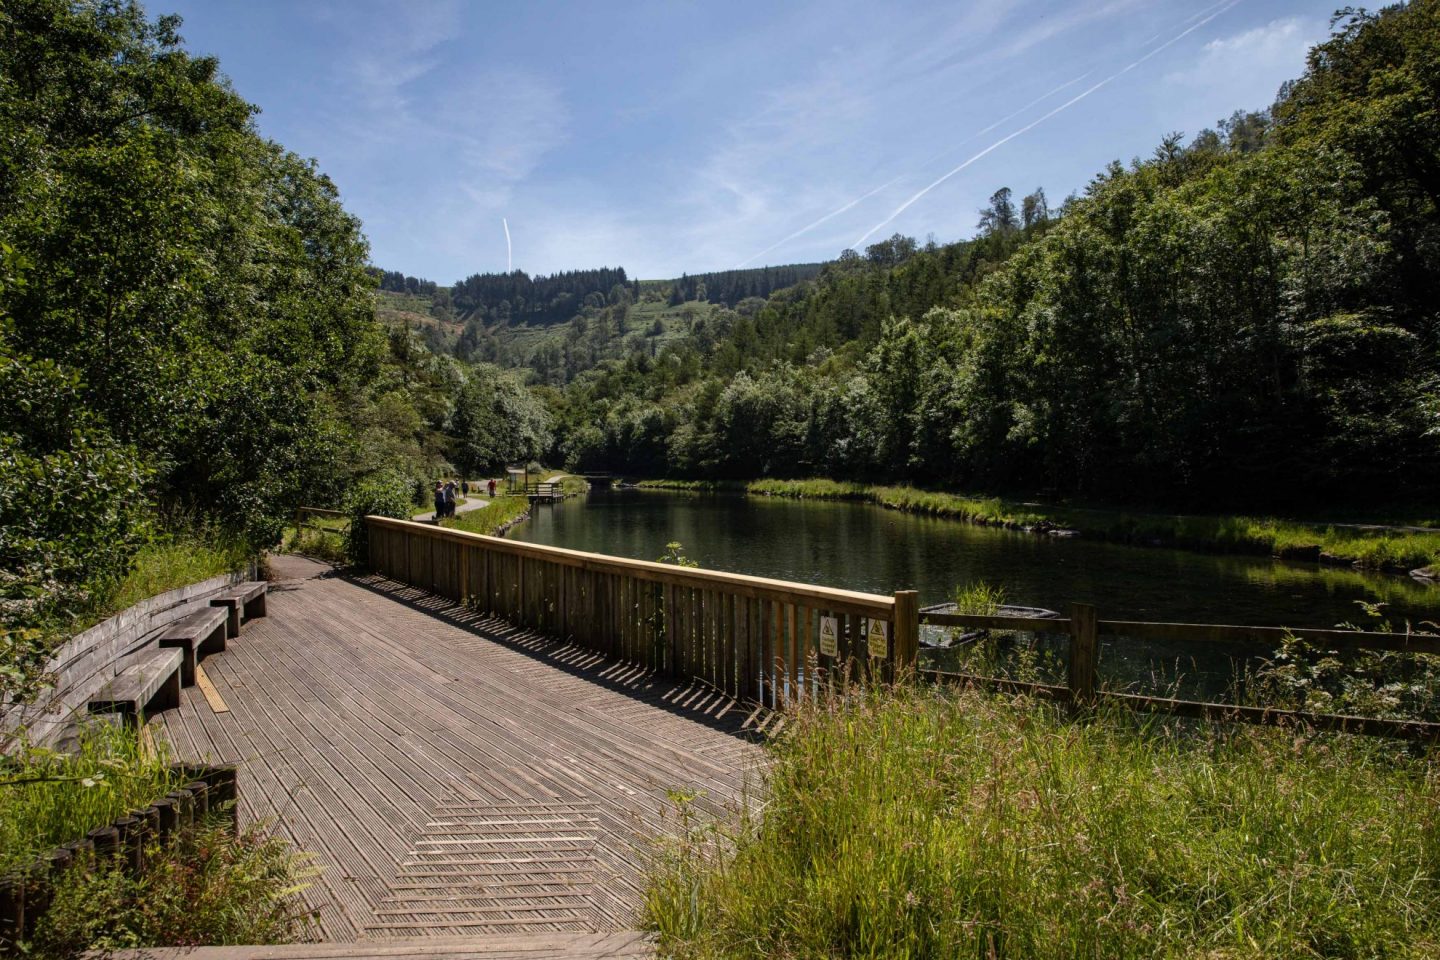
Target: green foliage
{"x":207,"y":887}
{"x":979,"y":598}
{"x":915,"y":822}
{"x":386,"y":494}
{"x":49,"y":798}
{"x":1391,"y":684}
{"x":496,"y":421}
{"x":72,"y":513}
{"x":675,"y":553}
{"x":181,"y":552}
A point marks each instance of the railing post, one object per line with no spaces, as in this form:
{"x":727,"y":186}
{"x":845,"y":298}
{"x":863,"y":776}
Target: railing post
{"x":907,"y":631}
{"x":1084,"y":652}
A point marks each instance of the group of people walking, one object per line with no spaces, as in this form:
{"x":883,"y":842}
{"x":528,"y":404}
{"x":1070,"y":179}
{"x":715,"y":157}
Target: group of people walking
{"x":445,"y":496}
{"x":448,"y":492}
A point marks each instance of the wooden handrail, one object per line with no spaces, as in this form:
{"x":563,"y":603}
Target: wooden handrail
{"x":1083,"y":630}
{"x":752,"y":637}
{"x":864,"y":604}
{"x":1199,"y":632}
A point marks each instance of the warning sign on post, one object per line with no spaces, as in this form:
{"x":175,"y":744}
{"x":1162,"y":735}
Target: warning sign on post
{"x":879,"y":635}
{"x":829,"y":637}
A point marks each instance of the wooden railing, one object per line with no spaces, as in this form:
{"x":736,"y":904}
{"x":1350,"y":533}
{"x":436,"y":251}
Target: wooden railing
{"x":757,"y":639}
{"x":1084,"y":629}
{"x":303,"y":514}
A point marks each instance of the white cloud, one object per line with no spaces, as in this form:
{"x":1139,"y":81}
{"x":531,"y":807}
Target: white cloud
{"x":1245,"y":70}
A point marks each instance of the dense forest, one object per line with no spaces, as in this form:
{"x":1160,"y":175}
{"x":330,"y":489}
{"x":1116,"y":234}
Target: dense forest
{"x":188,"y":329}
{"x":517,"y":297}
{"x":1247,"y":318}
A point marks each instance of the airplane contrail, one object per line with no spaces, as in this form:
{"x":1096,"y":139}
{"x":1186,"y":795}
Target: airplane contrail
{"x":508,"y":266}
{"x":890,"y":183}
{"x":1035,"y":123}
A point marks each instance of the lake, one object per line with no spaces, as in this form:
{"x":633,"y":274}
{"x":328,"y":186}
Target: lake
{"x":864,"y":547}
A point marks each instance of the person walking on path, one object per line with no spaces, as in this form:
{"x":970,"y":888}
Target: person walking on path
{"x":439,"y":501}
{"x":492,"y":488}
{"x":464,"y":488}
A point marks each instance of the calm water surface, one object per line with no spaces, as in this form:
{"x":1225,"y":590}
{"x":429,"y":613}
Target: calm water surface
{"x":863,"y":547}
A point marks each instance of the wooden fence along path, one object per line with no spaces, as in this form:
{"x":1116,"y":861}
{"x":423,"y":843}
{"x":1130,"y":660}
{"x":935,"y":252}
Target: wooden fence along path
{"x":766,"y":641}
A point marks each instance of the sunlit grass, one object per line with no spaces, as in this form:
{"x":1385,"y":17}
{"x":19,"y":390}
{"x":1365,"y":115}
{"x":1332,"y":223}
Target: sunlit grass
{"x":490,"y":518}
{"x":49,"y":798}
{"x":181,"y":556}
{"x":921,"y":823}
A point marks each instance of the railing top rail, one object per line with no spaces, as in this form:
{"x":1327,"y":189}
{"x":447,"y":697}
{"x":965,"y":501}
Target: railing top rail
{"x":323,"y":511}
{"x":763,"y":587}
{"x":1198,"y":632}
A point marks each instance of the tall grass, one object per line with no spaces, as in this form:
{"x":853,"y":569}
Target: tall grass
{"x":186,"y":553}
{"x":491,"y":518}
{"x":49,"y":798}
{"x":206,"y":886}
{"x":916,"y":822}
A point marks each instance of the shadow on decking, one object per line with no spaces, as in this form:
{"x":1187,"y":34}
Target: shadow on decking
{"x":690,"y":699}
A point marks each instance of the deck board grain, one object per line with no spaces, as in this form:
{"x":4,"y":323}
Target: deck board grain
{"x":461,"y":782}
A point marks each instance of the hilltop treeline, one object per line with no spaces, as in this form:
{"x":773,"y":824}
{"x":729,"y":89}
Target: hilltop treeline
{"x":517,"y":297}
{"x":1249,"y":317}
{"x":397,"y":282}
{"x":729,"y":287}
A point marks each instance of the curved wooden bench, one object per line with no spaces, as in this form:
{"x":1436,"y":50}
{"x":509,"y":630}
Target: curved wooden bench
{"x":151,"y":683}
{"x":245,"y":601}
{"x":201,"y":633}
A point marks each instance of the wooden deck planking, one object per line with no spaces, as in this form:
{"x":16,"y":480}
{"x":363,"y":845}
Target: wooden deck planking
{"x":364,"y":713}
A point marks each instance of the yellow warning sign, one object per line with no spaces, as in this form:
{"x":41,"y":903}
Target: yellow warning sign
{"x":879,"y":636}
{"x":829,"y":637}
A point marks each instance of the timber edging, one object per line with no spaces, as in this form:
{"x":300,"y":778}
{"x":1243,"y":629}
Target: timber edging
{"x":26,"y":894}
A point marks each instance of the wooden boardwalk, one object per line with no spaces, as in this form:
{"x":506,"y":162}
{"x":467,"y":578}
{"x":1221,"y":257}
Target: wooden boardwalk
{"x":455,"y":776}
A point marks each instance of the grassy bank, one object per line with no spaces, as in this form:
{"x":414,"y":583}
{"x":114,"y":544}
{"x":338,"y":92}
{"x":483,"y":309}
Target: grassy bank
{"x":922,"y":823}
{"x":501,"y":513}
{"x":1392,"y":550}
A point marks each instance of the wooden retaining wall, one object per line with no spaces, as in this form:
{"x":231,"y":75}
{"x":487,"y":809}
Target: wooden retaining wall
{"x":90,"y":659}
{"x":26,"y":894}
{"x":752,"y":638}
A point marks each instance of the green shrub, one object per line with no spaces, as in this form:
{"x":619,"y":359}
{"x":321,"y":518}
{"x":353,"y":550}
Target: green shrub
{"x":205,"y":887}
{"x":386,"y":494}
{"x":916,"y":822}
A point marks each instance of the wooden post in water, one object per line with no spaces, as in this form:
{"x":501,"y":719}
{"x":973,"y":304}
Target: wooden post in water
{"x":907,"y":631}
{"x":1084,"y":651}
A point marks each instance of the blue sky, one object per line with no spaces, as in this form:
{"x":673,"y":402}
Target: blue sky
{"x":687,"y":137}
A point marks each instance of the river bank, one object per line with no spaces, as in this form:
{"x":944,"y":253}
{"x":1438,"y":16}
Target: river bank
{"x":1408,"y":551}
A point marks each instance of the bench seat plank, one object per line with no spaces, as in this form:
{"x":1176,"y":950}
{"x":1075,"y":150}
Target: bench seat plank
{"x":152,"y":680}
{"x":244,"y":600}
{"x":199,"y":634}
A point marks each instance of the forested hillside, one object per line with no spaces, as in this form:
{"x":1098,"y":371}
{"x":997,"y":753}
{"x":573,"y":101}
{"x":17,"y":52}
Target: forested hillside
{"x":1247,"y":317}
{"x":506,"y":298}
